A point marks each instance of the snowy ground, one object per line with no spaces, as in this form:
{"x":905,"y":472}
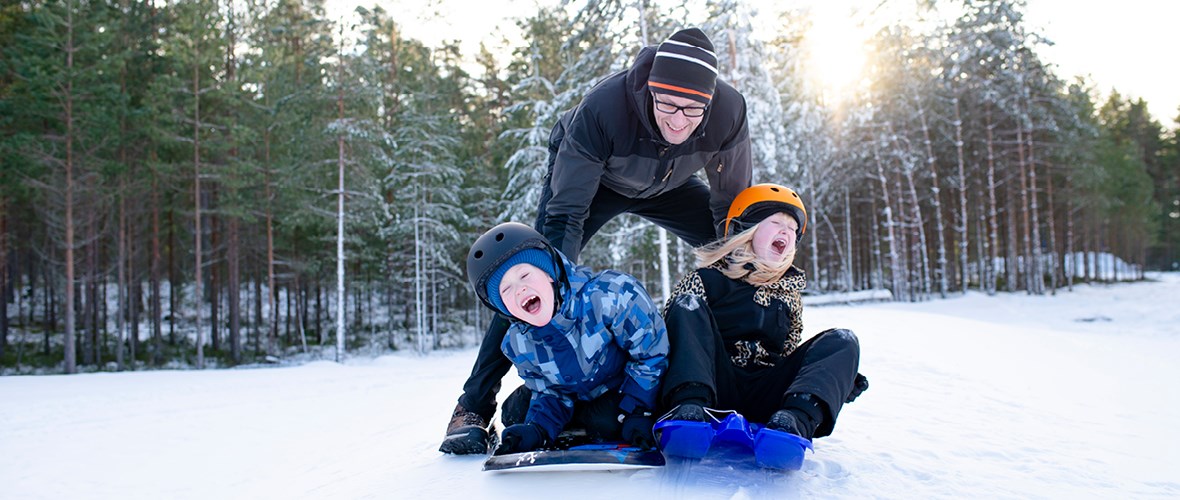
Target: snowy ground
{"x":974,"y":397}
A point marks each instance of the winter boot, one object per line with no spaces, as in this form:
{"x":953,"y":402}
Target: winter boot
{"x":801,"y":415}
{"x":689,"y":401}
{"x":467,"y":433}
{"x":692,"y":411}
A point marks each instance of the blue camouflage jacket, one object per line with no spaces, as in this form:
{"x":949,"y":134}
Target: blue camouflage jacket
{"x":607,"y":336}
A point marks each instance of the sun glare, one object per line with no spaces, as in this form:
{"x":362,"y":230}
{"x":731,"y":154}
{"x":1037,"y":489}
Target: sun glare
{"x":836,"y":53}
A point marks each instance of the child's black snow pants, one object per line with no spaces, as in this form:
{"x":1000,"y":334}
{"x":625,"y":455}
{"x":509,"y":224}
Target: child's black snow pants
{"x":824,"y":366}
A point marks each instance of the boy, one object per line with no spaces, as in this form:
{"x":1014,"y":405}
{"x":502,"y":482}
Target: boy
{"x":591,"y":347}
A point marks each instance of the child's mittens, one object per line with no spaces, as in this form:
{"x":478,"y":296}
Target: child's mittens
{"x":520,"y":437}
{"x":637,"y":429}
{"x":859,"y":385}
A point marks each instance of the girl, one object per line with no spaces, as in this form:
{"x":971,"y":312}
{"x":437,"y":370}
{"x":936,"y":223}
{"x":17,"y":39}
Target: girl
{"x":735,"y":327}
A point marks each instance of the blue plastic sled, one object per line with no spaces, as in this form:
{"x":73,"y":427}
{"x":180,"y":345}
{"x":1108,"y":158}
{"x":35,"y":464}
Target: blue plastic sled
{"x":772,"y":448}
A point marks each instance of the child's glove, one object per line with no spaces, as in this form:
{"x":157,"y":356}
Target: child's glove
{"x":859,"y":385}
{"x":521,"y":437}
{"x":637,"y":429}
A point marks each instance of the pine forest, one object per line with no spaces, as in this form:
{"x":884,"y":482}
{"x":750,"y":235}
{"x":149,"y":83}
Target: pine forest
{"x":212,"y":183}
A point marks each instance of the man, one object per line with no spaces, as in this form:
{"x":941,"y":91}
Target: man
{"x":633,"y":145}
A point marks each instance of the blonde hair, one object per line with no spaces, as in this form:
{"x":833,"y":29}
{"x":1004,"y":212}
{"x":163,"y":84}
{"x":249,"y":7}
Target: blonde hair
{"x":738,"y":260}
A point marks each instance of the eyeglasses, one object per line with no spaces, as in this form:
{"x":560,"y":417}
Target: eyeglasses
{"x":671,"y":109}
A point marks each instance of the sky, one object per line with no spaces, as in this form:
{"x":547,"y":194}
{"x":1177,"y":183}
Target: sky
{"x":1009,"y":396}
{"x":1125,"y":45}
{"x":1128,"y":45}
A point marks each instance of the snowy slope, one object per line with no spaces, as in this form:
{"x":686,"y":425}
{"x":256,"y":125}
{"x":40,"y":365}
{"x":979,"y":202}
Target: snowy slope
{"x":983,"y":397}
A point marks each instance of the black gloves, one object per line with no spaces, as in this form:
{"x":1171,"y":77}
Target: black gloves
{"x":521,"y":437}
{"x":637,"y":429}
{"x":859,"y":385}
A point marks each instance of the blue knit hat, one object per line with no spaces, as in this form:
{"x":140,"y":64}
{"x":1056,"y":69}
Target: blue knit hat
{"x":537,"y":257}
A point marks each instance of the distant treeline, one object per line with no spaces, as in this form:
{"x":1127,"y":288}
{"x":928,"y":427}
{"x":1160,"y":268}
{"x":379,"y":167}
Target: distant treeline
{"x":142,"y":142}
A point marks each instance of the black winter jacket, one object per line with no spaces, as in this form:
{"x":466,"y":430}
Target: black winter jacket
{"x":611,"y":139}
{"x":759,"y":325}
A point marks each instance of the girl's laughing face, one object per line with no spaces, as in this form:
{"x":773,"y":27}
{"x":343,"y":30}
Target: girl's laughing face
{"x":774,"y":238}
{"x":527,"y":292}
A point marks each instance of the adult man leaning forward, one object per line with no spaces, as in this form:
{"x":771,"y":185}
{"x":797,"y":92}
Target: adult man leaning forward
{"x":633,"y":145}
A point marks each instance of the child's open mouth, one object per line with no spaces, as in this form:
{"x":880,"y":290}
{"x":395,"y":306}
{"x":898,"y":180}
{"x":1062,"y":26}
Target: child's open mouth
{"x":531,"y":305}
{"x":779,"y":246}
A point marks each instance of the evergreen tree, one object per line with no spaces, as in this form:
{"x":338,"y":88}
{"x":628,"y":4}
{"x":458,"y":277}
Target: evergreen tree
{"x":61,"y":89}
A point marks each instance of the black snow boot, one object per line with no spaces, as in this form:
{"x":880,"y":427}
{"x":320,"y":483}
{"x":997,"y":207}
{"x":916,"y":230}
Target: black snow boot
{"x":688,"y":402}
{"x":801,"y":415}
{"x":692,"y":411}
{"x":467,"y":433}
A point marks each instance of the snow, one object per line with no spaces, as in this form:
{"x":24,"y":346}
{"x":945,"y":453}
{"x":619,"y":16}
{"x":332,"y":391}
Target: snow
{"x":1011,"y":396}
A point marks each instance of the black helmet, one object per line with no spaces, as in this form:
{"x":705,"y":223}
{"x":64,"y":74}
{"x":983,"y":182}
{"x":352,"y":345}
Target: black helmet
{"x":495,"y":246}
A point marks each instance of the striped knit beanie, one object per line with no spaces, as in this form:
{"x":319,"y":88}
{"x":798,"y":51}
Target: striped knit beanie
{"x":685,"y":66}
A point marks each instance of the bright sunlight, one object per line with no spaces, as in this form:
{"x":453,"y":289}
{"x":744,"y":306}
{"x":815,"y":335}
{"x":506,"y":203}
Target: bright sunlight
{"x":837,"y":55}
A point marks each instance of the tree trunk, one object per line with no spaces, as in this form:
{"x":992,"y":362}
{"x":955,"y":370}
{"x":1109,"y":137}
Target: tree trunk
{"x":50,"y":307}
{"x":299,"y":313}
{"x":5,"y":289}
{"x":233,"y":289}
{"x":919,"y":224}
{"x":1055,"y":250}
{"x":962,"y":201}
{"x":319,"y":311}
{"x":936,"y":202}
{"x":909,"y":259}
{"x":849,"y":272}
{"x":234,"y":295}
{"x":121,"y":316}
{"x":305,"y":302}
{"x":287,"y":317}
{"x":1072,"y":262}
{"x":154,"y":268}
{"x":1035,"y":212}
{"x":419,"y":326}
{"x":258,"y":318}
{"x":272,"y":301}
{"x":136,"y":298}
{"x":215,"y":284}
{"x":90,"y":351}
{"x":71,"y":363}
{"x":172,"y":278}
{"x":1030,"y":264}
{"x":1012,"y":241}
{"x":984,"y":251}
{"x":992,"y":217}
{"x":890,"y":238}
{"x":340,"y":220}
{"x":198,"y":293}
{"x":123,"y":260}
{"x":1038,"y":278}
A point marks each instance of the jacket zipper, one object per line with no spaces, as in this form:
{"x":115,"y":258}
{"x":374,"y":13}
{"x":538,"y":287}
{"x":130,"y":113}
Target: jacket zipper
{"x":667,"y":175}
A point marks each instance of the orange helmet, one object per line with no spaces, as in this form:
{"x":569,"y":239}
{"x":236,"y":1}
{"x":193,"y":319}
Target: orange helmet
{"x":760,"y":201}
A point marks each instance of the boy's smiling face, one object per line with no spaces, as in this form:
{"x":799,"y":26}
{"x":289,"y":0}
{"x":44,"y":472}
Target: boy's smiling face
{"x":527,"y":292}
{"x":774,"y":237}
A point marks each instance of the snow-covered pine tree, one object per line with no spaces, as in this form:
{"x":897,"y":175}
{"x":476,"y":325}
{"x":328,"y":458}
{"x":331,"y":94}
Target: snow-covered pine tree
{"x":421,"y":185}
{"x":805,"y":157}
{"x":743,"y":62}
